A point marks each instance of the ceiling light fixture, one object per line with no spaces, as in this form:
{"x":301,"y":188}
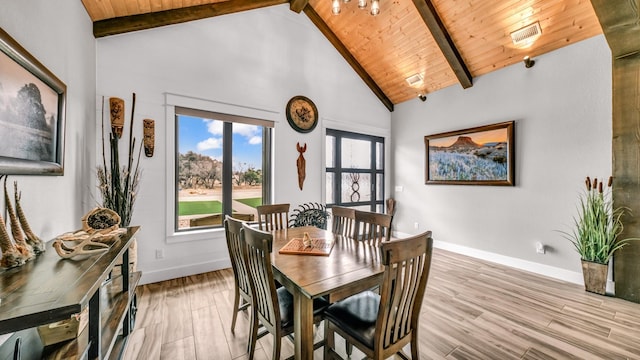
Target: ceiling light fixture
{"x":362,"y":4}
{"x":335,"y":7}
{"x":526,"y":36}
{"x":415,"y":80}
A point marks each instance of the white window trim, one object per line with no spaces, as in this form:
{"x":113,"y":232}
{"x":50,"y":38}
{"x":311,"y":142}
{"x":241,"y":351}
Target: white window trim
{"x":171,"y":101}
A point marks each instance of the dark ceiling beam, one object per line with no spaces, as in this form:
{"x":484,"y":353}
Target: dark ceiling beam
{"x":441,"y":35}
{"x":130,"y":23}
{"x":297,"y":5}
{"x":620,"y":25}
{"x":333,"y":39}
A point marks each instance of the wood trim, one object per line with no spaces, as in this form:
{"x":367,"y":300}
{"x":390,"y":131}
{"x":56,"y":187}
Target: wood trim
{"x":130,"y":23}
{"x":333,"y":39}
{"x":445,"y":43}
{"x":297,"y":5}
{"x":619,"y":21}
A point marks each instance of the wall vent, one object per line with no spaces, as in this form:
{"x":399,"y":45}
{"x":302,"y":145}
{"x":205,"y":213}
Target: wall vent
{"x":526,"y":35}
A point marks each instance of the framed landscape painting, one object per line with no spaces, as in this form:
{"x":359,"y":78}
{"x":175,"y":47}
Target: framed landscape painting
{"x":32,"y":113}
{"x":482,"y":155}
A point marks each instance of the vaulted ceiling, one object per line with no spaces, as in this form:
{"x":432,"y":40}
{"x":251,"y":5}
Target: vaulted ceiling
{"x":447,"y":42}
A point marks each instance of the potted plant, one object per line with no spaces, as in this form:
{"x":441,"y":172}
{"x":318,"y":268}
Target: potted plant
{"x":596,"y":231}
{"x":118,"y":184}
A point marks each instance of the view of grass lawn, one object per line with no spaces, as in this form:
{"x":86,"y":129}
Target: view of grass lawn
{"x":199,"y":207}
{"x":253,"y":202}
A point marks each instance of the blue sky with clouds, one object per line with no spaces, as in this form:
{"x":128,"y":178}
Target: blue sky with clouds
{"x":204,"y":136}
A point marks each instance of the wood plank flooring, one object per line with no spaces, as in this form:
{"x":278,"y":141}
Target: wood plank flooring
{"x":472,"y":310}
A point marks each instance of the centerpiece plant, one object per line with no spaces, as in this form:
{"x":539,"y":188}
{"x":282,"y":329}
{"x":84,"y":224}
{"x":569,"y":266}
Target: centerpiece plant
{"x":596,"y":231}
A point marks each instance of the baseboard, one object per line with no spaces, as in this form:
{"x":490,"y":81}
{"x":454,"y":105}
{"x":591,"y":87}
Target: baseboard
{"x":541,"y":269}
{"x":180,"y":271}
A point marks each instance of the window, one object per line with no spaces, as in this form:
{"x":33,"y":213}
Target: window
{"x":222,"y":167}
{"x":355,"y":170}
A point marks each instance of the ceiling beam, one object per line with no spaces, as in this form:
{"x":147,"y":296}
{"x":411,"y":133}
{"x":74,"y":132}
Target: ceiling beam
{"x":130,"y":23}
{"x":442,"y":38}
{"x":619,"y":21}
{"x":333,"y":39}
{"x":297,"y":5}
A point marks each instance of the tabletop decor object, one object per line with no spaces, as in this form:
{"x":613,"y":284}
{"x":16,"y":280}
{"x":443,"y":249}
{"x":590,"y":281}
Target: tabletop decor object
{"x":310,"y":214}
{"x":100,"y":229}
{"x":302,"y":114}
{"x":32,"y":239}
{"x":16,"y":229}
{"x":595,"y":234}
{"x":22,"y":245}
{"x":119,"y":184}
{"x":482,"y":155}
{"x":307,"y":245}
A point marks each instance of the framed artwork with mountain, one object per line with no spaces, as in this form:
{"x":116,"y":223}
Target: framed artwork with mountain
{"x":482,"y":155}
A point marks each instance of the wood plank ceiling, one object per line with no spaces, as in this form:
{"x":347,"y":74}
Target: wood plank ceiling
{"x":447,"y":42}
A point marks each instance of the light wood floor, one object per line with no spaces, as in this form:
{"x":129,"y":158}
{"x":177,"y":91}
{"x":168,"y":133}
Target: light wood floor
{"x":472,"y":310}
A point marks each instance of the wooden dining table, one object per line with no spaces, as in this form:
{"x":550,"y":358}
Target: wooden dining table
{"x":351,"y":267}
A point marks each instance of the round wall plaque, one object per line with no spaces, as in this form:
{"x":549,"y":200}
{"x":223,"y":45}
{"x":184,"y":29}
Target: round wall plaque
{"x":302,"y":114}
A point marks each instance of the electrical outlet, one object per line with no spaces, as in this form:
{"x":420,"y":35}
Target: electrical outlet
{"x":159,"y":253}
{"x":399,"y":188}
{"x":416,"y":225}
{"x":540,"y":248}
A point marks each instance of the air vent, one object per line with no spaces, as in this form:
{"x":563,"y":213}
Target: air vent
{"x":414,"y":80}
{"x":527,"y":35}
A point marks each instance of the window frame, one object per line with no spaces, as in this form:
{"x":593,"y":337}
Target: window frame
{"x":176,"y":100}
{"x":338,"y":170}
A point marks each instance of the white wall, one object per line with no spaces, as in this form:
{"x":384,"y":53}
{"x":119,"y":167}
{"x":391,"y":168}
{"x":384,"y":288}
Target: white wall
{"x":258,"y":59}
{"x":59,"y":35}
{"x":562,"y":109}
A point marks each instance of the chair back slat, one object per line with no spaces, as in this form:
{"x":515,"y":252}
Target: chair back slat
{"x":343,"y":220}
{"x":258,"y":247}
{"x":407,"y":263}
{"x":232,"y":229}
{"x":273,"y":217}
{"x":371,"y":227}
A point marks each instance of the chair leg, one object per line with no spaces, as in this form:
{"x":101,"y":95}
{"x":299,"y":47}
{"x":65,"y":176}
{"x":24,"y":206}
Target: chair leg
{"x":414,"y":345}
{"x":253,"y":335}
{"x":329,"y":340}
{"x":349,"y":347}
{"x":277,"y":344}
{"x":236,"y":303}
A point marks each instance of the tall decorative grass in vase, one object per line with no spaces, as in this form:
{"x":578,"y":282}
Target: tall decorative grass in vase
{"x":118,"y":184}
{"x":596,"y":231}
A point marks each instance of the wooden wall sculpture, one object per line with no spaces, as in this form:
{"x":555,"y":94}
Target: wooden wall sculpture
{"x":116,"y":108}
{"x":149,"y":136}
{"x":301,"y":163}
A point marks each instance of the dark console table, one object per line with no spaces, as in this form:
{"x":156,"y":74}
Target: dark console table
{"x":49,"y":289}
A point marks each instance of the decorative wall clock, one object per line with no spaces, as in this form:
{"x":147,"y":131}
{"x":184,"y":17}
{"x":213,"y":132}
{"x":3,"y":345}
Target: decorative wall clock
{"x":302,"y":114}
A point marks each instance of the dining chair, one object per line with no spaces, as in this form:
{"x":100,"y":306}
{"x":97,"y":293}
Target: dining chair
{"x":272,"y":307}
{"x":343,"y":220}
{"x":273,"y":217}
{"x":242,"y":291}
{"x":381,"y":325}
{"x":371,"y":227}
